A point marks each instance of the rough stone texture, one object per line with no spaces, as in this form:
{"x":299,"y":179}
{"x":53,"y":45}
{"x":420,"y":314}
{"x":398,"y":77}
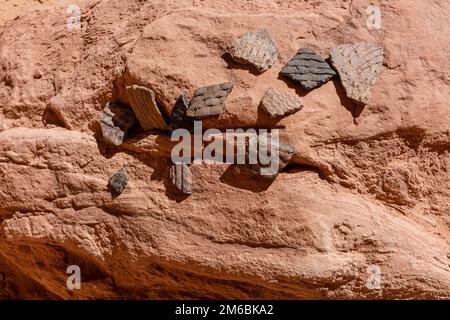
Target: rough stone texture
{"x":118,"y":181}
{"x":144,"y":104}
{"x":11,"y":9}
{"x":209,"y":101}
{"x":115,"y":122}
{"x":308,"y":68}
{"x":256,"y":48}
{"x":278,"y":103}
{"x":359,"y":66}
{"x":374,"y":192}
{"x":179,"y":118}
{"x":181,"y":177}
{"x":285,"y":151}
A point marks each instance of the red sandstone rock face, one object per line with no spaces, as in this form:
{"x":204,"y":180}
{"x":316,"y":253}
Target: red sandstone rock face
{"x":366,"y":187}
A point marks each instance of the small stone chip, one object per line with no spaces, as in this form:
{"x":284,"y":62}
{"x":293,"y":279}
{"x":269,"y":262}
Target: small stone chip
{"x":209,"y":101}
{"x":115,"y":122}
{"x":359,"y":66}
{"x":118,"y":181}
{"x":181,"y":177}
{"x":144,"y":104}
{"x":278,"y":103}
{"x":256,"y":48}
{"x":308,"y":68}
{"x":179,"y":118}
{"x":286,"y":151}
{"x":267,"y":166}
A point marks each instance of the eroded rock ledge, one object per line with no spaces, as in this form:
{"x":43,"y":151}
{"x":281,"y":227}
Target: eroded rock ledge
{"x":365,"y":187}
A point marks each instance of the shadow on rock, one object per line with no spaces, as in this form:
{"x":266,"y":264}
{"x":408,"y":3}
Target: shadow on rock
{"x":266,"y":121}
{"x":354,"y":108}
{"x":239,"y":177}
{"x":231,"y":64}
{"x":293,"y":85}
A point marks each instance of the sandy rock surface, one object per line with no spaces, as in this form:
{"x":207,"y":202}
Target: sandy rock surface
{"x":12,"y":9}
{"x":368,"y":187}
